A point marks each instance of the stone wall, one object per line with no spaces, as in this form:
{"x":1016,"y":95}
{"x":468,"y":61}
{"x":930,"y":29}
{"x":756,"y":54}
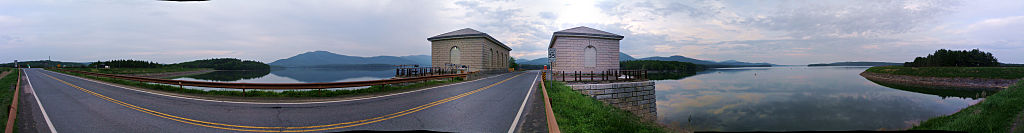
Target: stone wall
{"x":636,"y":97}
{"x":478,"y":54}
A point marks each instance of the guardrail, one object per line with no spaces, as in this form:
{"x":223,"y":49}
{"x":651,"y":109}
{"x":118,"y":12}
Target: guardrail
{"x":548,"y":112}
{"x":12,"y":114}
{"x":599,"y":76}
{"x":277,"y":86}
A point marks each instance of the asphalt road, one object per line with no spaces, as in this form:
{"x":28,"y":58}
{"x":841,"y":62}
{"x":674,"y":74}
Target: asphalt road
{"x":74,"y":104}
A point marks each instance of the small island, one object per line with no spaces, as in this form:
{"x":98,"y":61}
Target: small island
{"x":963,"y":70}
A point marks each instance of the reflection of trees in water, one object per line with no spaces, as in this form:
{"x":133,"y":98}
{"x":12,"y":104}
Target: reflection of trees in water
{"x":939,"y":91}
{"x":231,"y":75}
{"x":808,"y":112}
{"x":332,"y":74}
{"x":668,"y":75}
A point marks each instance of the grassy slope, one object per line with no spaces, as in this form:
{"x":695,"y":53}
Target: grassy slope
{"x":251,"y":93}
{"x":6,"y":92}
{"x":994,"y":114}
{"x":578,"y":113}
{"x":976,"y":72}
{"x":136,"y":70}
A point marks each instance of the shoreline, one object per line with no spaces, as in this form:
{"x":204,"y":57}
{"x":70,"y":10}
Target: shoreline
{"x":951,"y":83}
{"x":173,"y":74}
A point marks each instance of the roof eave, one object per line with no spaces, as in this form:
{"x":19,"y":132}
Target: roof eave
{"x":587,"y":35}
{"x":483,"y":35}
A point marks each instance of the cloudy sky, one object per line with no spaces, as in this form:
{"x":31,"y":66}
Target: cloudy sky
{"x":781,"y":32}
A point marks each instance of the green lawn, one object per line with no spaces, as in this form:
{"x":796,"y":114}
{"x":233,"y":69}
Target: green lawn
{"x":6,"y":92}
{"x":994,"y":114}
{"x":578,"y":113}
{"x":252,"y":93}
{"x":976,"y":72}
{"x":136,"y":70}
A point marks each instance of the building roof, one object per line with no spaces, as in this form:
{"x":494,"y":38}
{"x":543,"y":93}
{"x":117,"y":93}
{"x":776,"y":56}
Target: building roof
{"x":583,"y":31}
{"x":467,"y":33}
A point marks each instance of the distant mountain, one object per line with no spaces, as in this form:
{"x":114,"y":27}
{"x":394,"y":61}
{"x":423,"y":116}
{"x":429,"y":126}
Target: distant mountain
{"x":860,"y":63}
{"x":422,"y":60}
{"x":538,"y":61}
{"x":320,"y":58}
{"x":727,"y":63}
{"x":625,"y":57}
{"x":680,"y":59}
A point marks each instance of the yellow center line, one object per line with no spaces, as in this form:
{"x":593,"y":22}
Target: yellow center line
{"x":283,"y":129}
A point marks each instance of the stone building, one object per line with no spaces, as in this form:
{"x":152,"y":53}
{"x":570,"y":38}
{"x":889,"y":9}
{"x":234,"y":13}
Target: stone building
{"x":474,"y":50}
{"x":584,"y":49}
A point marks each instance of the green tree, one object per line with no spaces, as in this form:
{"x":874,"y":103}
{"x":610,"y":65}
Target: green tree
{"x":955,"y":58}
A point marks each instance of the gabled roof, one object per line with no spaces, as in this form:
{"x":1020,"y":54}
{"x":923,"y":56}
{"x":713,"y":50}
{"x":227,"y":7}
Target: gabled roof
{"x":583,"y":31}
{"x":467,"y":33}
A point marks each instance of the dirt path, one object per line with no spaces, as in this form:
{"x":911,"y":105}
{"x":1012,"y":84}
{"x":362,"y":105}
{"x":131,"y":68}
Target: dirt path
{"x":173,"y":74}
{"x":958,"y":83}
{"x":1018,"y":123}
{"x":4,"y":74}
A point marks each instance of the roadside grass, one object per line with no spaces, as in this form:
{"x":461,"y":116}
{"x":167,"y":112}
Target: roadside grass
{"x":136,"y":70}
{"x":994,"y":114}
{"x":975,"y":72}
{"x":259,"y":93}
{"x":7,"y":91}
{"x":578,"y":113}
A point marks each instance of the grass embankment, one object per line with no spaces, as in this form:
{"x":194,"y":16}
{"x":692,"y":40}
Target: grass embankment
{"x":994,"y":114}
{"x":578,"y":113}
{"x":956,"y":72}
{"x":6,"y":92}
{"x":256,"y":93}
{"x":136,"y":70}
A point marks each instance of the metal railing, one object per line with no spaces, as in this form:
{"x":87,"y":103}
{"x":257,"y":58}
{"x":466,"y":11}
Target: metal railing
{"x":426,"y":71}
{"x":599,"y":76}
{"x":277,"y":86}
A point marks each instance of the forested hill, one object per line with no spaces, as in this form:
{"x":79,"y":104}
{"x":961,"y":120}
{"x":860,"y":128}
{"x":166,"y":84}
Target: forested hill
{"x":224,"y":64}
{"x":43,"y":63}
{"x":323,"y":58}
{"x":862,"y":63}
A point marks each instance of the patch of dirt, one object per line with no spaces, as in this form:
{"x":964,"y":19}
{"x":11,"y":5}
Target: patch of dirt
{"x":959,"y":83}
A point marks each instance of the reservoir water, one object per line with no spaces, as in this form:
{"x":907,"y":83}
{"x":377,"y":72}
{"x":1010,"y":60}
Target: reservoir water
{"x":294,"y":75}
{"x":797,"y":99}
{"x":733,"y":99}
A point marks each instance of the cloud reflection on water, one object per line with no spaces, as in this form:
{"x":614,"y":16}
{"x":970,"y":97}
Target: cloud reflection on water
{"x":800,"y":99}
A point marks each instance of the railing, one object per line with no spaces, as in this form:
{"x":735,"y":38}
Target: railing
{"x":426,"y":71}
{"x":599,"y":76}
{"x":278,"y":86}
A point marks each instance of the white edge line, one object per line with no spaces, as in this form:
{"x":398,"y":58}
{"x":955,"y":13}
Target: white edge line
{"x":516,"y":121}
{"x":40,"y":103}
{"x":208,"y":100}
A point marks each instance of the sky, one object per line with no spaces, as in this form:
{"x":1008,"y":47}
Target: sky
{"x":780,"y":32}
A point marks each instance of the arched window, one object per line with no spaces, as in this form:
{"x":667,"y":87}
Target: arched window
{"x":455,"y":56}
{"x":590,"y":56}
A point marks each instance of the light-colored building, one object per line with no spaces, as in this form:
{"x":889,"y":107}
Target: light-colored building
{"x":584,"y":49}
{"x":473,"y":49}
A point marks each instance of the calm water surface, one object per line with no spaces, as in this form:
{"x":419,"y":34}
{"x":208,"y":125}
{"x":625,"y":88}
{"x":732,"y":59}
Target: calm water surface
{"x":293,"y":75}
{"x":794,"y":98}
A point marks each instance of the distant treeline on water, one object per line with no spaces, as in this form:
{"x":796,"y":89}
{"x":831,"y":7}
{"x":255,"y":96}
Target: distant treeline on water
{"x":216,"y":64}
